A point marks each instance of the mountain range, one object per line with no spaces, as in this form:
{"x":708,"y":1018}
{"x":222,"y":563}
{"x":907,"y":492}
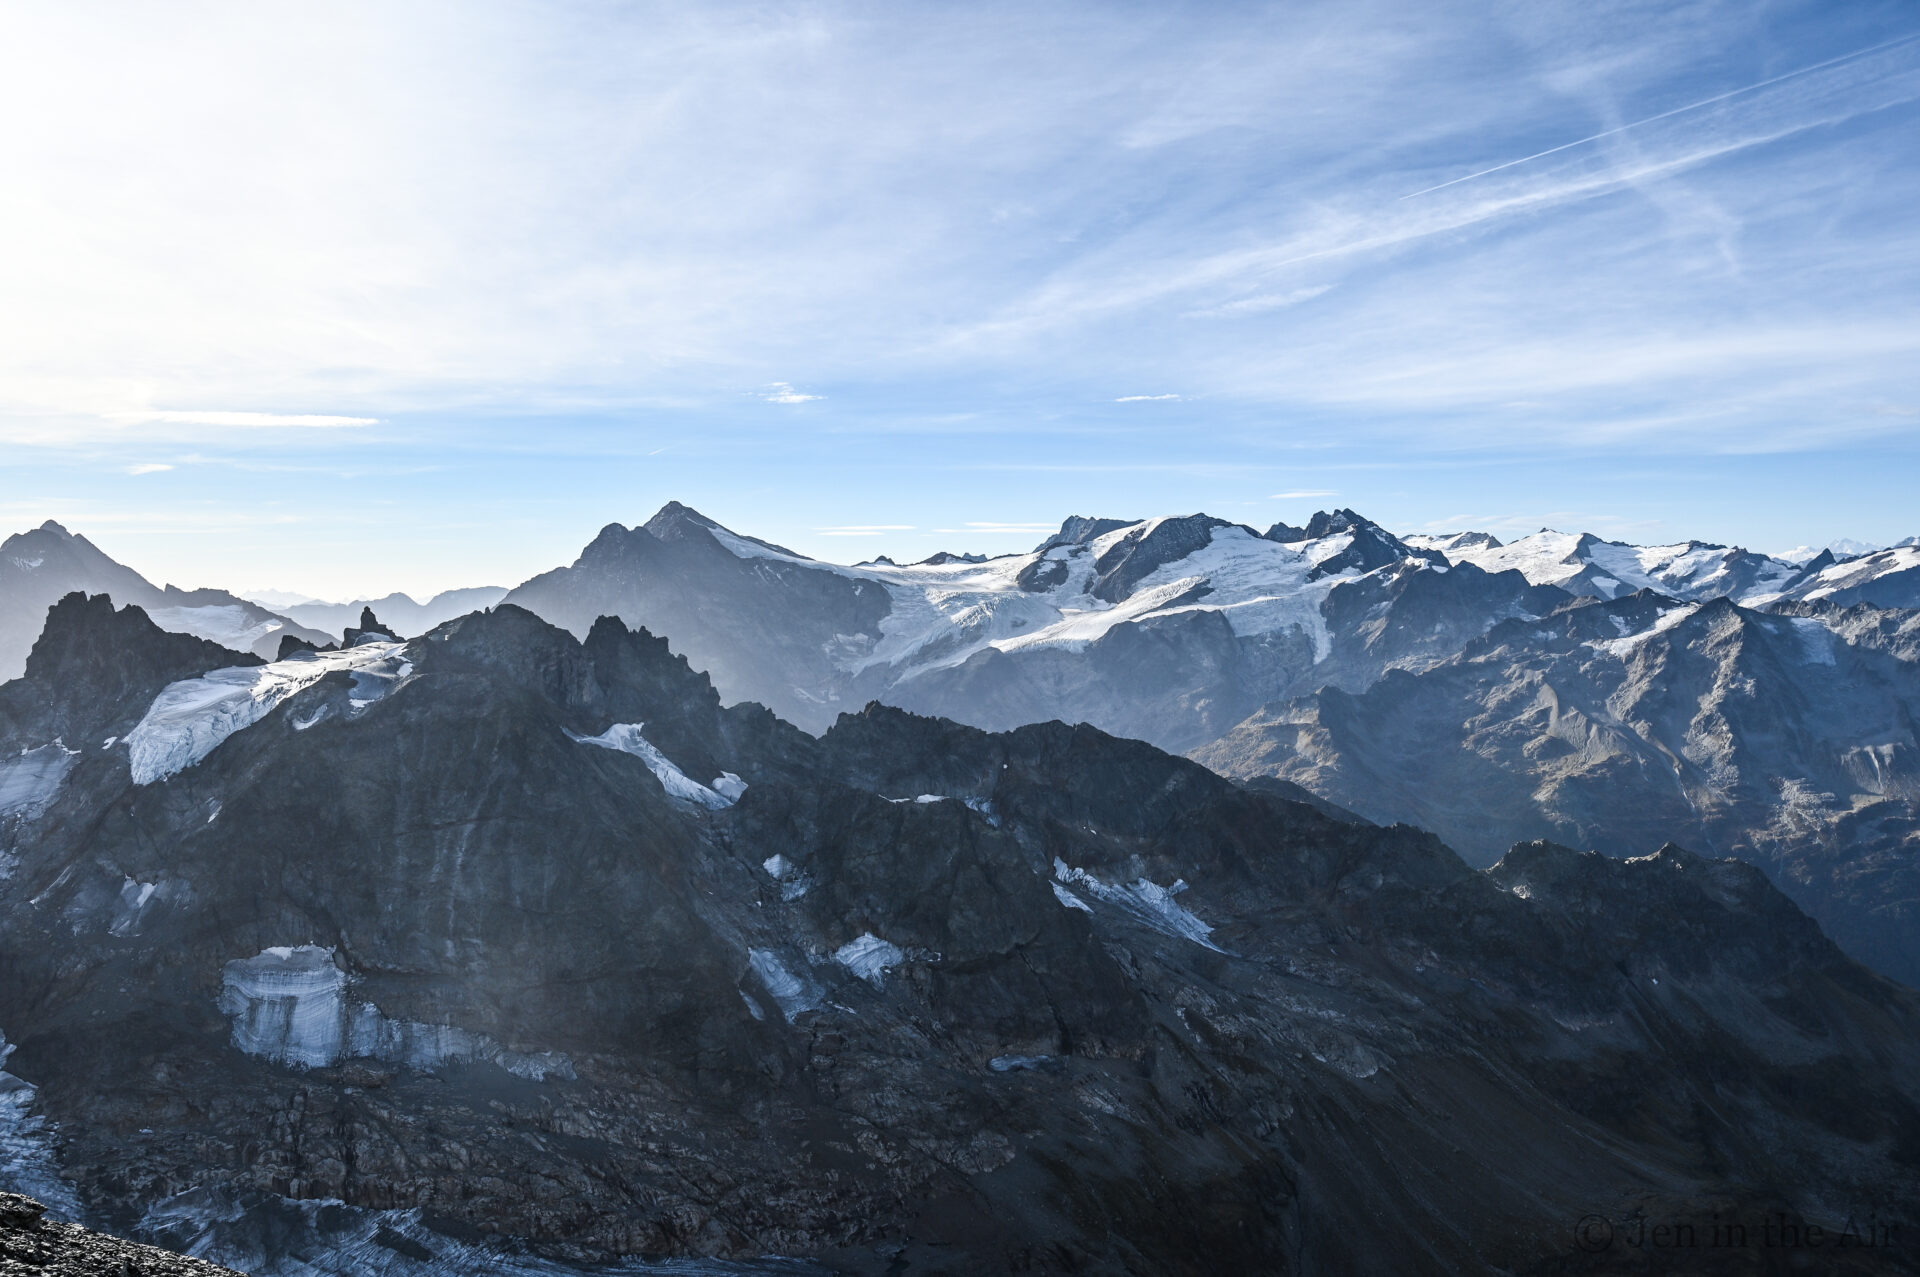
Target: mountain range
{"x":1785,"y":693}
{"x":503,"y":949}
{"x":1564,"y":686}
{"x":40,"y":566}
{"x":400,"y":611}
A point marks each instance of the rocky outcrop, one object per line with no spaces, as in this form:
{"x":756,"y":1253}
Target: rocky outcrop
{"x":913,"y":998}
{"x":92,"y":667}
{"x":32,"y":1243}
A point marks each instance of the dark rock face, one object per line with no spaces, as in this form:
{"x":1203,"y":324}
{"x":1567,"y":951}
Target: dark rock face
{"x":1152,"y":546}
{"x":93,"y":672}
{"x":1785,"y":740}
{"x":30,"y":1243}
{"x":921,"y":999}
{"x":1372,"y":545}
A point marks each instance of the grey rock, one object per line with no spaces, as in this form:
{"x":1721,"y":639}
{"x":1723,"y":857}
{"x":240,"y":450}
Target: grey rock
{"x":1272,"y":1039}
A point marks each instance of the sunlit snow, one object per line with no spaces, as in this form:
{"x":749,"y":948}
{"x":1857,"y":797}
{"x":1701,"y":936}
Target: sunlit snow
{"x":943,"y":614}
{"x":232,"y":626}
{"x":190,"y":718}
{"x":868,"y":956}
{"x":1146,"y":900}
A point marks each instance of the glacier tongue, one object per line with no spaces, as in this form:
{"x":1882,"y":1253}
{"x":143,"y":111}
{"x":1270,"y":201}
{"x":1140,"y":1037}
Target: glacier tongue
{"x":190,"y":718}
{"x":287,"y":1004}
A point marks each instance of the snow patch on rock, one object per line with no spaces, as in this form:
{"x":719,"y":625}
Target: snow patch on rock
{"x":794,"y":993}
{"x":793,"y":880}
{"x":1070,"y":900}
{"x":29,"y":1162}
{"x":626,"y":739}
{"x":869,"y":957}
{"x":29,"y":780}
{"x":1146,"y":900}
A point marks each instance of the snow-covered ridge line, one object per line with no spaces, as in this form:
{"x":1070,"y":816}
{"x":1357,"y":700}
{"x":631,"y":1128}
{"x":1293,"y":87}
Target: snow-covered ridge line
{"x":944,"y":614}
{"x":189,"y":719}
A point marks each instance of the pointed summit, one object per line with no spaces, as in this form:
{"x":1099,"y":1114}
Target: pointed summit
{"x":369,"y":627}
{"x":677,"y":522}
{"x":1372,"y":545}
{"x":673,"y":522}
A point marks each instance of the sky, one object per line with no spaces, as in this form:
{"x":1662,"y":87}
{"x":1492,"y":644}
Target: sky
{"x":352,"y":298}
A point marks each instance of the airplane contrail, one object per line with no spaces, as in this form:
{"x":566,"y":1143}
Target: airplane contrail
{"x":1678,"y":110}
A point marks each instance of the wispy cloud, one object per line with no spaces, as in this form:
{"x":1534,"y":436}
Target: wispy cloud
{"x":972,"y":225}
{"x":1303,"y":494}
{"x":149,"y":467}
{"x":864,"y":529}
{"x":248,"y":420}
{"x":1013,"y":527}
{"x":1716,"y":99}
{"x":1260,"y":304}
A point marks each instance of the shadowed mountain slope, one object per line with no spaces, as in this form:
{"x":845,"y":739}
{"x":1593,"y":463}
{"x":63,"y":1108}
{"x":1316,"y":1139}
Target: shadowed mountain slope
{"x":504,"y":930}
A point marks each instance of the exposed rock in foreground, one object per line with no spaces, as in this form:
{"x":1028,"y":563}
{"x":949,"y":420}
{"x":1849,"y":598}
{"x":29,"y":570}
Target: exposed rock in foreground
{"x":521,"y":945}
{"x":31,"y":1243}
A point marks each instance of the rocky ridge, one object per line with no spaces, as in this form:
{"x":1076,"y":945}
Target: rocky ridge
{"x":528,"y":944}
{"x":1786,"y":738}
{"x":39,"y":567}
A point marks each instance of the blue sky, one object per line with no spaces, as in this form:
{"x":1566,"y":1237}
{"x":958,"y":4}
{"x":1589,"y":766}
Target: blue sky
{"x":408,"y":295}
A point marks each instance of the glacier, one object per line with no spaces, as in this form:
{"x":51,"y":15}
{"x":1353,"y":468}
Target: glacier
{"x":190,"y":718}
